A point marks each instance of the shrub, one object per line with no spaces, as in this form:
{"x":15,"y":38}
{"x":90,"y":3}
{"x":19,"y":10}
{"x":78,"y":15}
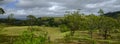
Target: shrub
{"x":63,"y":28}
{"x":67,"y":38}
{"x":29,"y":37}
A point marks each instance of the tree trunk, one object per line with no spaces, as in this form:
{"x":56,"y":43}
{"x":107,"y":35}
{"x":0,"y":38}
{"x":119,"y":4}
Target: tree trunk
{"x":105,"y":34}
{"x":91,"y":34}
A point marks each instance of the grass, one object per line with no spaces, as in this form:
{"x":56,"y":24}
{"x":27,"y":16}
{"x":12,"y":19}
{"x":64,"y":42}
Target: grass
{"x":54,"y":34}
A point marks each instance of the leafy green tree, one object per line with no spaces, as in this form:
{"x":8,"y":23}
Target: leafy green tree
{"x":51,"y":21}
{"x":29,"y":37}
{"x":92,"y":23}
{"x":115,"y":15}
{"x":74,"y":21}
{"x":39,"y":21}
{"x":44,"y":21}
{"x":31,"y":20}
{"x":57,"y":22}
{"x":107,"y":24}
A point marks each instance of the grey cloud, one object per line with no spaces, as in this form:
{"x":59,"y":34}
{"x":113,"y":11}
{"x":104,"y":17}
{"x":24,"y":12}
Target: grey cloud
{"x":33,"y":3}
{"x":58,"y":7}
{"x":5,"y":1}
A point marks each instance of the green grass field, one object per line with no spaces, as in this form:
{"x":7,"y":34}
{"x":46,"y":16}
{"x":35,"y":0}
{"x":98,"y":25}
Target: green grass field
{"x":53,"y":32}
{"x":81,"y":37}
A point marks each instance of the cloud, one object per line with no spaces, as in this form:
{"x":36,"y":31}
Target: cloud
{"x":33,"y":3}
{"x":58,"y":7}
{"x":102,"y":4}
{"x":5,"y":1}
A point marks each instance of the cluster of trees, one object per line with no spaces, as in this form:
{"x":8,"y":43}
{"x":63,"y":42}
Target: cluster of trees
{"x":46,"y":21}
{"x":72,"y":21}
{"x":29,"y":36}
{"x":102,"y":22}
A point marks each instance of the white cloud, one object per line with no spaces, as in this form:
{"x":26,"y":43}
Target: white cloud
{"x":58,"y":7}
{"x":106,"y":3}
{"x":32,"y":3}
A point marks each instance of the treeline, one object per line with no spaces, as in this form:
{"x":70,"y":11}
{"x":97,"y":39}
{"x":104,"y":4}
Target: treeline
{"x":46,"y":21}
{"x":40,"y":21}
{"x":105,"y":23}
{"x":72,"y":21}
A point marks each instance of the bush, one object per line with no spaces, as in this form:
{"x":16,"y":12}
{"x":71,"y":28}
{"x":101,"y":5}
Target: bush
{"x":63,"y":28}
{"x":67,"y":38}
{"x":29,"y":37}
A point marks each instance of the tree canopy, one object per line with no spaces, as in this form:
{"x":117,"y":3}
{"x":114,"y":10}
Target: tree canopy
{"x":2,"y":11}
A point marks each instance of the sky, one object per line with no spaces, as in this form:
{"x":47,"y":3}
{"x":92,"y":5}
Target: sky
{"x":39,"y":8}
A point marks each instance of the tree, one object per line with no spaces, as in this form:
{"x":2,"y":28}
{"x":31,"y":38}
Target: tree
{"x":57,"y":21}
{"x":101,"y":12}
{"x":115,"y":15}
{"x":92,"y":23}
{"x":29,"y":37}
{"x":51,"y":21}
{"x":106,"y":24}
{"x":2,"y":11}
{"x":39,"y":21}
{"x":74,"y":21}
{"x":11,"y":19}
{"x":31,"y":20}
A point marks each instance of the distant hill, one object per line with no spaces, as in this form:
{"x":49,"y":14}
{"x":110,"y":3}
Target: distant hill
{"x":113,"y":14}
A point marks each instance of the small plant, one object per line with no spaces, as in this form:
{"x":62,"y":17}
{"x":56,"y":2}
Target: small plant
{"x":67,"y":38}
{"x":94,"y":42}
{"x":30,"y":37}
{"x":63,"y":28}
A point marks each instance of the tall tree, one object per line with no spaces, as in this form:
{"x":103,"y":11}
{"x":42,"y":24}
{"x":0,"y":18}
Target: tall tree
{"x":101,"y":12}
{"x":31,"y":20}
{"x":115,"y":15}
{"x":74,"y":21}
{"x":51,"y":21}
{"x":2,"y":11}
{"x":11,"y":19}
{"x":92,"y":23}
{"x":106,"y":24}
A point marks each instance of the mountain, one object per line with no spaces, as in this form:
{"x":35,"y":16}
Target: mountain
{"x":113,"y":14}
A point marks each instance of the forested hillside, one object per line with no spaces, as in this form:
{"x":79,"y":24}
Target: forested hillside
{"x":73,"y":28}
